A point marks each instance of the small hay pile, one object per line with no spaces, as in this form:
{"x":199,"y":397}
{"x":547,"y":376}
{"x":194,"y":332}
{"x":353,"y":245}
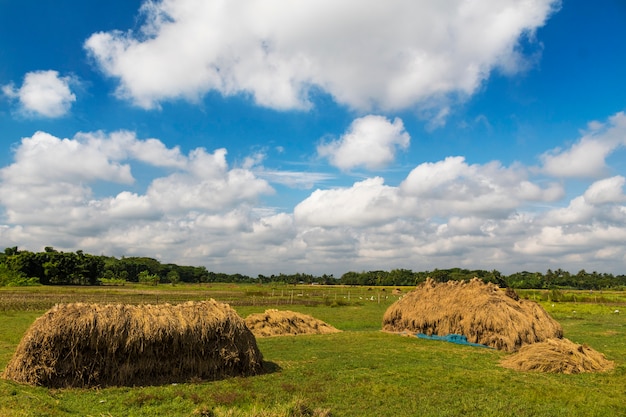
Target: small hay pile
{"x":86,"y":345}
{"x":283,"y":323}
{"x":558,"y":356}
{"x":481,"y":312}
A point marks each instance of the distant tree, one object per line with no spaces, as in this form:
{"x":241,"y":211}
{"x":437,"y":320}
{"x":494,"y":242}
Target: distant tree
{"x":11,"y":251}
{"x":173,"y":277}
{"x":146,"y":277}
{"x":350,"y":278}
{"x":440,"y":275}
{"x":400,"y":277}
{"x":11,"y":278}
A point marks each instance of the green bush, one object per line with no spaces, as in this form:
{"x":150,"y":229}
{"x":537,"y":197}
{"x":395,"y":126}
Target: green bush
{"x":10,"y":278}
{"x":147,"y":278}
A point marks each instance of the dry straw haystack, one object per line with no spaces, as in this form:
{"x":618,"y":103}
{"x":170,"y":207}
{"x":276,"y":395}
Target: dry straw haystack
{"x":282,"y":323}
{"x":83,"y":345}
{"x":558,"y":356}
{"x":481,"y":312}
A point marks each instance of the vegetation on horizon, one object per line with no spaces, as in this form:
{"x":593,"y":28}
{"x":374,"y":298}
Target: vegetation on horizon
{"x":53,"y":267}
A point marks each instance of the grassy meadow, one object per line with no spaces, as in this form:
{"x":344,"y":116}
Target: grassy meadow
{"x":358,"y":372}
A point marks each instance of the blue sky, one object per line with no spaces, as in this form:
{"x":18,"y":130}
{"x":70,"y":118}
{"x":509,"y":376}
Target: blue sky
{"x":270,"y":136}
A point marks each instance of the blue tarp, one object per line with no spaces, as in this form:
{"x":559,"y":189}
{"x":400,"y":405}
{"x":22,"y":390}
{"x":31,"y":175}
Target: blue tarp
{"x":452,"y":338}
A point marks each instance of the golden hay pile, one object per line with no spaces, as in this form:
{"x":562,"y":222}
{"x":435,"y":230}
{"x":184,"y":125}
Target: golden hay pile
{"x":282,"y":323}
{"x":558,"y":356}
{"x":84,"y":345}
{"x":481,"y":312}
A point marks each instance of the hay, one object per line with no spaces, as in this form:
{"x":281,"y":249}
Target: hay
{"x":282,"y":323}
{"x":85,"y":345}
{"x":481,"y":312}
{"x":558,"y":356}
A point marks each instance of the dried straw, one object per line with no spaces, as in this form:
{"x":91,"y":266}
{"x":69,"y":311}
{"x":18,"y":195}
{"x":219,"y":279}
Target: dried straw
{"x":84,"y":345}
{"x":281,"y":323}
{"x":481,"y":312}
{"x":558,"y":356}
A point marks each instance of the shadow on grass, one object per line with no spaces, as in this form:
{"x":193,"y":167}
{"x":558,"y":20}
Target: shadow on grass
{"x":270,"y":367}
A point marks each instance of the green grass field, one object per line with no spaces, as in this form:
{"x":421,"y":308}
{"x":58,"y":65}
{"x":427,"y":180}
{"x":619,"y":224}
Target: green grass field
{"x":359,"y":372}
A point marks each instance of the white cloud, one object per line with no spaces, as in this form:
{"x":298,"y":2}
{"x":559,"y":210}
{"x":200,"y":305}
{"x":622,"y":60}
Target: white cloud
{"x":365,"y":203}
{"x":225,"y":189}
{"x":584,"y":241}
{"x":371,"y":141}
{"x":122,"y":145}
{"x":194,"y":206}
{"x":51,"y":180}
{"x":271,"y":230}
{"x":591,"y":223}
{"x":367,"y":54}
{"x":578,"y":211}
{"x":609,"y":190}
{"x":599,"y":203}
{"x":452,"y":186}
{"x":293,"y":179}
{"x":446,"y":188}
{"x":587,"y":157}
{"x":198,"y":209}
{"x":43,"y":94}
{"x":428,"y":177}
{"x":45,"y":159}
{"x":127,"y":205}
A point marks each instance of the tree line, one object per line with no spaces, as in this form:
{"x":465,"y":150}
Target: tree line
{"x":53,"y":267}
{"x":551,"y":279}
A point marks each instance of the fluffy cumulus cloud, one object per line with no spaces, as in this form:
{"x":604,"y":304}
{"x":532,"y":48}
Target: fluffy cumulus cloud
{"x":489,"y":190}
{"x":366,"y":203}
{"x":587,"y":157}
{"x":512,"y":218}
{"x":587,"y":230}
{"x":43,"y":94}
{"x":196,"y":208}
{"x":606,"y":191}
{"x":451,"y":212}
{"x":54,"y":182}
{"x":365,"y":53}
{"x":445,"y":188}
{"x":371,"y":141}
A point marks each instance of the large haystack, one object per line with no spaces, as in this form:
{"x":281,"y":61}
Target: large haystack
{"x":481,"y":312}
{"x":283,"y":323}
{"x":558,"y":356}
{"x":83,"y":345}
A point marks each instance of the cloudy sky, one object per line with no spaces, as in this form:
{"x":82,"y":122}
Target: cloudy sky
{"x":268,"y":136}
